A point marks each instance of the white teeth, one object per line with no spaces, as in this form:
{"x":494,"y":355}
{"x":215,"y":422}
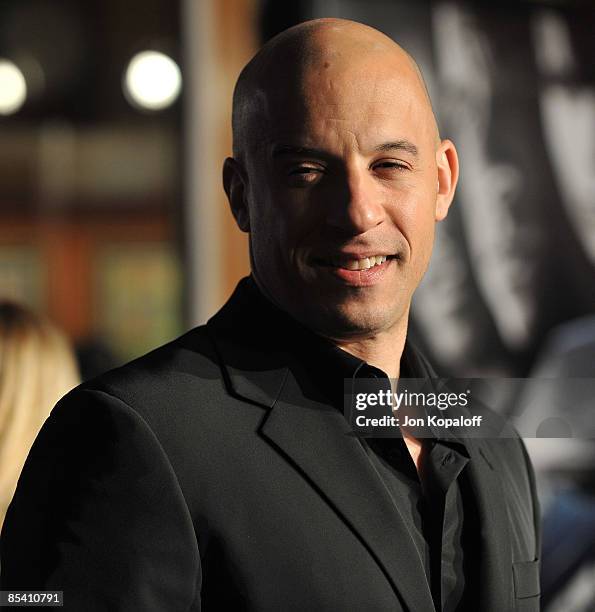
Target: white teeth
{"x":361,"y":264}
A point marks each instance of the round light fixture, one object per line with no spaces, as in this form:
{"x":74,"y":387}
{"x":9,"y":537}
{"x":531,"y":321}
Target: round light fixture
{"x":152,"y":80}
{"x":13,"y":88}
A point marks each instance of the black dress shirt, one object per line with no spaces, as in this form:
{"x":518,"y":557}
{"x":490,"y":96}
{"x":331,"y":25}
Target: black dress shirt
{"x":435,"y":502}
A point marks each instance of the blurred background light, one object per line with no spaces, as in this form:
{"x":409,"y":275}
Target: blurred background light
{"x":13,"y":89}
{"x":152,"y":80}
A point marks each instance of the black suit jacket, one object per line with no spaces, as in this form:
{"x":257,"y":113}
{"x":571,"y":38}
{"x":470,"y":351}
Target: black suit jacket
{"x":211,"y":474}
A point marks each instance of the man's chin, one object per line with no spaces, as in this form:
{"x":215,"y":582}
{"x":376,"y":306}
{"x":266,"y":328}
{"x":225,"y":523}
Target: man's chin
{"x":344,"y":322}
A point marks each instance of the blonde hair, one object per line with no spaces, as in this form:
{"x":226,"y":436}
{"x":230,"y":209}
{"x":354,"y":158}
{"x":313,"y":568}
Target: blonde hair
{"x":37,"y":367}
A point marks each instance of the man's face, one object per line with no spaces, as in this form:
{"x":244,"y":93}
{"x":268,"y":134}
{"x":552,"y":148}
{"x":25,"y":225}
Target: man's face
{"x":341,"y":193}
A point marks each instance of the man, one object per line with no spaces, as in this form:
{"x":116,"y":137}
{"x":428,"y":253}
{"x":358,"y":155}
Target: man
{"x":218,"y":472}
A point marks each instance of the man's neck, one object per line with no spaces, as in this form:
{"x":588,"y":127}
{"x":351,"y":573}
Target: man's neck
{"x":382,"y":350}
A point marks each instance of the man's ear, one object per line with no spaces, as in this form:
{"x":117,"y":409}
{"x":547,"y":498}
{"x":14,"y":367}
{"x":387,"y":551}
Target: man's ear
{"x":234,"y":183}
{"x":447,"y":161}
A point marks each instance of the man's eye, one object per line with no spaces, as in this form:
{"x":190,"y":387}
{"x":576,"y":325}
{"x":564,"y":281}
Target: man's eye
{"x":391,"y":165}
{"x":304,"y":170}
{"x":304,"y":174}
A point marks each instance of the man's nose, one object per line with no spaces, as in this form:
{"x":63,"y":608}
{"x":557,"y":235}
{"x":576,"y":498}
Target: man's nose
{"x":356,"y":205}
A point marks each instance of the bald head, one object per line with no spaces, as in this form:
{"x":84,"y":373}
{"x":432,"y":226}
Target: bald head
{"x":306,"y":54}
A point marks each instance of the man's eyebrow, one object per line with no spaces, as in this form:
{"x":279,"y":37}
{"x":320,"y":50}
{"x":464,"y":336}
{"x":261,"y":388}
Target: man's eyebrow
{"x":283,"y":150}
{"x":393,"y":145}
{"x":398,"y":145}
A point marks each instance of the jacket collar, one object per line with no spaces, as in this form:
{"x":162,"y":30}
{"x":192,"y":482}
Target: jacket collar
{"x":255,"y":342}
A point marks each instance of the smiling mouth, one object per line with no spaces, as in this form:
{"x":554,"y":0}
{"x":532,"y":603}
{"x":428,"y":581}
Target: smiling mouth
{"x":354,"y":264}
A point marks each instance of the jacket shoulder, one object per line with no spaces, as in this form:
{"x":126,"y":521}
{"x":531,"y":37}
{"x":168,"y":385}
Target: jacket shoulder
{"x":192,"y":353}
{"x":165,"y":378}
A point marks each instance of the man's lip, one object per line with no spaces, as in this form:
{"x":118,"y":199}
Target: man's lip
{"x":360,"y":278}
